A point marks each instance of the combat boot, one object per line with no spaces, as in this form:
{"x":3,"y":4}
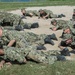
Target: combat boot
{"x":63,"y":15}
{"x":59,"y":16}
{"x":35,"y":25}
{"x":41,"y":47}
{"x":61,"y":58}
{"x":26,"y":26}
{"x":47,"y":40}
{"x":19,"y":28}
{"x":65,"y":52}
{"x":53,"y":36}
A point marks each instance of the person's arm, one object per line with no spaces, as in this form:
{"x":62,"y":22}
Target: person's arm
{"x":39,"y":16}
{"x":1,"y":52}
{"x":61,"y":47}
{"x":46,"y":16}
{"x":11,"y":43}
{"x":54,"y":29}
{"x":48,"y":12}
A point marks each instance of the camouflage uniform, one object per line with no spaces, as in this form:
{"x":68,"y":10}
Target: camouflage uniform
{"x":66,"y":37}
{"x":10,"y":54}
{"x":24,"y":39}
{"x":71,"y":35}
{"x":60,"y":24}
{"x":49,"y":13}
{"x":71,"y":27}
{"x":34,"y":12}
{"x":26,"y":46}
{"x":19,"y":54}
{"x":9,"y":19}
{"x":44,"y":57}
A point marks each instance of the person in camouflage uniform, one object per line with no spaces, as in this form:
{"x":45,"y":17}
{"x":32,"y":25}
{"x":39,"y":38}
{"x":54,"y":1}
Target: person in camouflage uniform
{"x":19,"y":52}
{"x":69,"y":29}
{"x":24,"y":39}
{"x":68,"y":38}
{"x":22,"y":45}
{"x":8,"y":53}
{"x":29,"y":13}
{"x":9,"y":20}
{"x":48,"y":14}
{"x":60,"y":24}
{"x":67,"y":41}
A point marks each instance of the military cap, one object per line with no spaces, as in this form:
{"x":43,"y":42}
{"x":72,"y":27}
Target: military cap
{"x":67,"y":36}
{"x":66,"y":27}
{"x":53,"y":20}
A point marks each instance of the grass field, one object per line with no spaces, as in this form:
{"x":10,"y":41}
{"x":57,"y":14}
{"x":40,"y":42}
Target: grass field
{"x":58,"y":68}
{"x":15,"y":5}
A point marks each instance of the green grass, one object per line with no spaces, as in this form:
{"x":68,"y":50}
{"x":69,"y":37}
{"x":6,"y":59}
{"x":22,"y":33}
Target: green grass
{"x":18,"y":5}
{"x":58,"y":68}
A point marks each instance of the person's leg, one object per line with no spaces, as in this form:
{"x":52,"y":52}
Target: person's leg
{"x":36,"y":56}
{"x":41,"y":57}
{"x":53,"y":15}
{"x":11,"y":54}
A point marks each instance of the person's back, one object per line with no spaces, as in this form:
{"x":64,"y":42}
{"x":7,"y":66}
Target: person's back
{"x":24,"y":39}
{"x":62,"y":23}
{"x":59,"y":24}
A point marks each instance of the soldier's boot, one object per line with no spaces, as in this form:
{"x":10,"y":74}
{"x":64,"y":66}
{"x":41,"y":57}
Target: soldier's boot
{"x":26,"y":26}
{"x":41,"y":47}
{"x":53,"y":36}
{"x":59,"y":16}
{"x":61,"y":58}
{"x":35,"y":25}
{"x":65,"y":52}
{"x":63,"y":15}
{"x":47,"y":40}
{"x":19,"y":28}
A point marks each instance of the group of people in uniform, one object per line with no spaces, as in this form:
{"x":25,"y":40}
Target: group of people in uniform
{"x":20,"y":46}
